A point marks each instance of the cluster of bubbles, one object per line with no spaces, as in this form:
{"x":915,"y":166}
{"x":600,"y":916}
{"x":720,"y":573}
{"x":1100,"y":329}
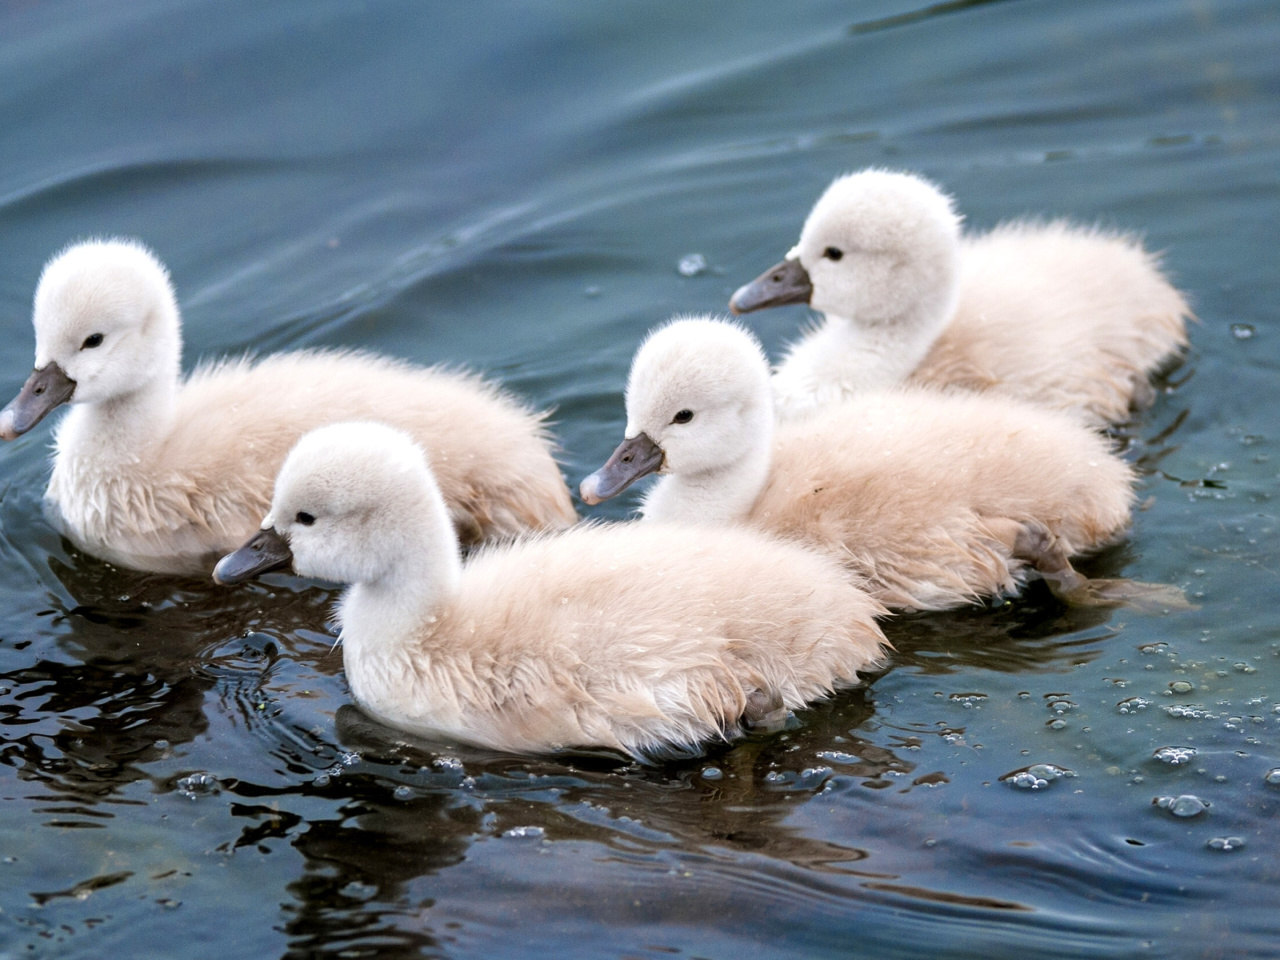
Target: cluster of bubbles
{"x":345,"y":759}
{"x":839,"y":756}
{"x":1189,"y":711}
{"x":1175,"y":756}
{"x":1037,"y":776}
{"x":197,"y":785}
{"x":525,"y":832}
{"x":1186,"y":805}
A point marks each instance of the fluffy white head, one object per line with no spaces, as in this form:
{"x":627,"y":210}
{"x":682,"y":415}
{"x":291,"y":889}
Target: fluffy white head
{"x":105,"y":313}
{"x":358,"y":504}
{"x":881,"y":247}
{"x":699,"y":388}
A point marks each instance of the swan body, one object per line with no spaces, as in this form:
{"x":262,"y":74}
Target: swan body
{"x":930,"y":499}
{"x":1074,"y":318}
{"x":158,"y":473}
{"x":647,"y":639}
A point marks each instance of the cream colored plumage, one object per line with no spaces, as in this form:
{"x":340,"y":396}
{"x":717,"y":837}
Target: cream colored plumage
{"x":161,"y":474}
{"x":931,"y":499}
{"x":646,"y":639}
{"x":1074,"y":318}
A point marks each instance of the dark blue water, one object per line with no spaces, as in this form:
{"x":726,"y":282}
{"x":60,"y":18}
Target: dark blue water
{"x":512,"y":187}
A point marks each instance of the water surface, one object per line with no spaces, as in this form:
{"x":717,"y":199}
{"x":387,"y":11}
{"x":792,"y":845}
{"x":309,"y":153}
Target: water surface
{"x":512,"y":187}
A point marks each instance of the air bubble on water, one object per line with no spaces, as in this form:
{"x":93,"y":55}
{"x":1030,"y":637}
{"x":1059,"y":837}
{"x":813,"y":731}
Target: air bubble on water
{"x":712,"y":773}
{"x":1056,"y":724}
{"x":1037,"y":776}
{"x":1186,"y":805}
{"x":403,"y":792}
{"x":1175,"y":755}
{"x":523,"y":832}
{"x":1132,"y":705}
{"x":1225,"y":844}
{"x":1050,"y":771}
{"x":1272,"y":776}
{"x":968,"y":700}
{"x":1242,"y":331}
{"x":775,"y":776}
{"x":1188,"y":711}
{"x":1245,"y":668}
{"x":198,"y":785}
{"x":1182,"y":686}
{"x":1150,"y":648}
{"x":448,"y":763}
{"x":348,"y":757}
{"x":839,"y":756}
{"x":321,"y":780}
{"x":692,"y":264}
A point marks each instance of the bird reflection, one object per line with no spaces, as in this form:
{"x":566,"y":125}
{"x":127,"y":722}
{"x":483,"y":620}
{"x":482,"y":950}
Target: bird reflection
{"x":136,"y":657}
{"x":142,"y":661}
{"x":1034,"y":634}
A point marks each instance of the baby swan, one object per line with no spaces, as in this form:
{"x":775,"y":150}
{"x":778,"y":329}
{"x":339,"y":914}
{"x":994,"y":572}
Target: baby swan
{"x":1074,"y":318}
{"x":637,"y":638}
{"x":163,"y":474}
{"x":931,"y":500}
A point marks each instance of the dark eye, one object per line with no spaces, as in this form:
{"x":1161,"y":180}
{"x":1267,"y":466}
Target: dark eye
{"x":833,"y":253}
{"x":684,"y":416}
{"x":305,"y":518}
{"x":91,"y":341}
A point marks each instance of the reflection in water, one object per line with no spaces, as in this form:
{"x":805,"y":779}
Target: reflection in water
{"x":421,"y":808}
{"x":347,"y":895}
{"x":147,"y":651}
{"x":1034,"y":633}
{"x":499,"y":212}
{"x":395,"y":811}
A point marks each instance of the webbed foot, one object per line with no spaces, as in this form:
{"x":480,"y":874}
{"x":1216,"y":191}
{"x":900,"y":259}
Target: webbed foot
{"x":1041,"y":549}
{"x":1134,"y":594}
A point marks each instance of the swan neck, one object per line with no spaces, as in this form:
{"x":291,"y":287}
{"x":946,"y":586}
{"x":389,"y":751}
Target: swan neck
{"x":383,"y":613}
{"x":120,"y":427}
{"x":720,"y":495}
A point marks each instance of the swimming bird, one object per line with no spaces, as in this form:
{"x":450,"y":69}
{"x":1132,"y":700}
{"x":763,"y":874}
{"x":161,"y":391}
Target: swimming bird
{"x":930,"y":499}
{"x":160,"y":473}
{"x":645,"y":639}
{"x":1074,"y":318}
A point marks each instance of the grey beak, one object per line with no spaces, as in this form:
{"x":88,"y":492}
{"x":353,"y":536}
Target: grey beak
{"x":45,"y":389}
{"x":786,"y":282}
{"x":266,"y":550}
{"x":634,"y":458}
